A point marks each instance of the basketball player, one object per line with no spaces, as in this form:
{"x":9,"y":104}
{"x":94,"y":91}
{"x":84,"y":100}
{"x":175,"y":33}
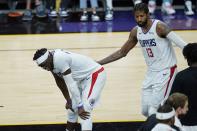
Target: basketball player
{"x":155,"y":39}
{"x":80,"y":80}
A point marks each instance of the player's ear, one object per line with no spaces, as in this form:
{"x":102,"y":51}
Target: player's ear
{"x":178,"y":110}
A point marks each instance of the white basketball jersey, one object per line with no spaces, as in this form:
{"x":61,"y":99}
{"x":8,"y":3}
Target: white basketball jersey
{"x":157,"y":51}
{"x":81,"y":66}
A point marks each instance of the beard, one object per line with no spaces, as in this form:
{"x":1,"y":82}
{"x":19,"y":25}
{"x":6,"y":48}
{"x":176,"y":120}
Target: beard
{"x":142,"y":24}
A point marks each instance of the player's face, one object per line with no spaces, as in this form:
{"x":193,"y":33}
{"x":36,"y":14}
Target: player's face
{"x":46,"y":65}
{"x":141,"y":18}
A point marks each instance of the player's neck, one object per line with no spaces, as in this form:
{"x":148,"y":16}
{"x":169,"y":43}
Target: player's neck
{"x":51,"y":60}
{"x":147,"y":26}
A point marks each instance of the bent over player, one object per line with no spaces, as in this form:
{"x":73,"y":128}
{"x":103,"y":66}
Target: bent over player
{"x":155,"y":39}
{"x":80,"y":80}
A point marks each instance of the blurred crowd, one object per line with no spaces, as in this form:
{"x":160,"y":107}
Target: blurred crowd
{"x":88,"y":8}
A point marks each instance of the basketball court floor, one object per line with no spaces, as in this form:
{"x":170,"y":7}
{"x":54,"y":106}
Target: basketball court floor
{"x":29,"y":95}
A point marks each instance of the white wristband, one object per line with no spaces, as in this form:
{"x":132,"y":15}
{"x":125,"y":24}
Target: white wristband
{"x":80,"y":105}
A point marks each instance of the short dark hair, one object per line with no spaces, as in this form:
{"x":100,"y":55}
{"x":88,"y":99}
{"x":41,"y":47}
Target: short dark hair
{"x":39,"y":53}
{"x":141,"y":7}
{"x":190,"y":53}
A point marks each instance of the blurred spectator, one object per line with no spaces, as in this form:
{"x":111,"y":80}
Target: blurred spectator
{"x":137,"y":2}
{"x":27,"y":16}
{"x":109,"y":10}
{"x":63,"y":12}
{"x":83,"y":6}
{"x":166,"y":7}
{"x":179,"y":102}
{"x":12,"y":4}
{"x":40,"y":9}
{"x":165,"y":116}
{"x":51,"y":6}
{"x":188,"y":7}
{"x":186,"y":82}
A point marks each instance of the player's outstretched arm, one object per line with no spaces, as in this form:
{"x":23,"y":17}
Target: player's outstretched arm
{"x":72,"y":86}
{"x":62,"y":86}
{"x":123,"y":51}
{"x":165,"y":32}
{"x":74,"y":90}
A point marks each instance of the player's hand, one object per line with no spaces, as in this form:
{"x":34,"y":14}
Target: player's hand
{"x":69,"y":105}
{"x":82,"y":113}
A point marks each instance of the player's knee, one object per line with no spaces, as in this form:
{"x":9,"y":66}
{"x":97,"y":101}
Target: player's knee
{"x":89,"y":105}
{"x":152,"y":110}
{"x":86,"y":125}
{"x":144,"y":111}
{"x":72,"y":116}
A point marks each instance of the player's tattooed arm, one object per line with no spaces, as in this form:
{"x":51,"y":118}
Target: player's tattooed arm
{"x":62,"y":86}
{"x":165,"y":32}
{"x":130,"y":43}
{"x":162,"y":29}
{"x":123,"y":51}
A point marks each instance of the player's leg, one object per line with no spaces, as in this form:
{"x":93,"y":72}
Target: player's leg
{"x":70,"y":126}
{"x":169,"y":82}
{"x":72,"y":117}
{"x":161,"y":88}
{"x":86,"y":125}
{"x":156,"y":99}
{"x":72,"y":120}
{"x":145,"y":100}
{"x":93,"y":88}
{"x":146,"y":93}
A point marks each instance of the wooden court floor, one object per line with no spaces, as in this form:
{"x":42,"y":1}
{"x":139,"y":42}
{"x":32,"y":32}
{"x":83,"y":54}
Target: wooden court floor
{"x":28,"y":94}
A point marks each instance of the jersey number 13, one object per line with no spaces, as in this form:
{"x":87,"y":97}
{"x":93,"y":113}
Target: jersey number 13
{"x":149,"y":52}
